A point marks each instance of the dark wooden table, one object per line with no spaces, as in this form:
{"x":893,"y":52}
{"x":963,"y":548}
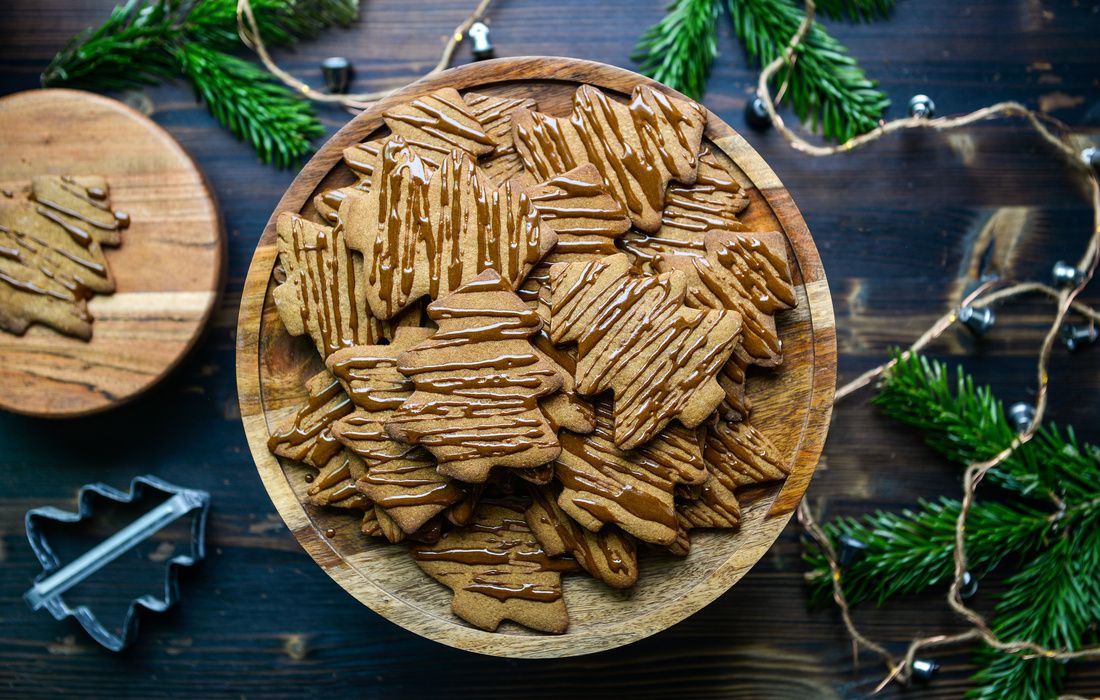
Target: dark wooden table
{"x":896,"y":225}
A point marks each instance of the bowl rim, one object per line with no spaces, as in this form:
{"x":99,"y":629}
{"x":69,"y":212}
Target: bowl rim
{"x":454,"y":633}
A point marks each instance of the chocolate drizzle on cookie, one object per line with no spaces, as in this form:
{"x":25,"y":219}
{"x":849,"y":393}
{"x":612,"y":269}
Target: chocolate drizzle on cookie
{"x":636,"y":338}
{"x":636,"y":148}
{"x":51,"y":253}
{"x":478,"y":380}
{"x":426,"y":233}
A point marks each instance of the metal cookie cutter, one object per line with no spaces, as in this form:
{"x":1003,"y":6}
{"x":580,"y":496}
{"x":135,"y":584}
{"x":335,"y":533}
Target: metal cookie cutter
{"x":55,"y":580}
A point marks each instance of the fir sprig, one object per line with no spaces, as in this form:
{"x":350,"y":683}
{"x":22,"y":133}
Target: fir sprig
{"x":1053,"y":600}
{"x":825,"y":85}
{"x":1052,"y":528}
{"x":679,"y":50}
{"x":249,"y":102}
{"x":145,"y":42}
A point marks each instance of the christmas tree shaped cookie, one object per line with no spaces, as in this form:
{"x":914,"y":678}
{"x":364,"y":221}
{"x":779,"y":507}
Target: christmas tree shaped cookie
{"x":322,"y":293}
{"x":478,"y":381}
{"x":439,"y":123}
{"x":737,"y":454}
{"x":637,"y":148}
{"x":495,"y":115}
{"x":306,"y":436}
{"x":635,"y":337}
{"x":81,"y":206}
{"x":425,"y":233}
{"x":399,"y":478}
{"x":498,"y":571}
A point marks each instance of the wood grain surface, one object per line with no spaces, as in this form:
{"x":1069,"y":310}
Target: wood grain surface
{"x":168,"y":269}
{"x":791,"y":405}
{"x":897,"y":225}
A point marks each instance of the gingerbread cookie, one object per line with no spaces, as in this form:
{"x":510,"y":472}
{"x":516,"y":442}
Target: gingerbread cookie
{"x":585,"y":217}
{"x":609,"y":555}
{"x":31,"y":290}
{"x":740,"y":455}
{"x":498,"y":571}
{"x":322,"y":294}
{"x":747,"y":273}
{"x":635,"y":490}
{"x":478,"y":380}
{"x":637,"y":148}
{"x":495,"y":115}
{"x":81,"y":206}
{"x":711,"y":203}
{"x":426,"y":233}
{"x":307,"y":435}
{"x":335,"y":484}
{"x":439,"y":123}
{"x":635,"y":337}
{"x":399,"y":478}
{"x":51,"y":256}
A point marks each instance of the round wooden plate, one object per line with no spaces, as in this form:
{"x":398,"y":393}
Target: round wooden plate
{"x":168,"y":269}
{"x":791,"y":405}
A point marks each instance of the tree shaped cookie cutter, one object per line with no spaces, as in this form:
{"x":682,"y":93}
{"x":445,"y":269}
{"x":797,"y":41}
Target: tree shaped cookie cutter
{"x":55,"y":580}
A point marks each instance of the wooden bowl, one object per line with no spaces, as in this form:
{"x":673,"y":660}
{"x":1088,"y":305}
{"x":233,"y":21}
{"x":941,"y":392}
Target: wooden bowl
{"x":168,"y":270}
{"x":792,"y":404}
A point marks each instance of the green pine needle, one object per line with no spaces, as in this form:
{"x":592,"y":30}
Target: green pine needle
{"x":145,"y":42}
{"x":967,"y":424}
{"x":281,"y":22}
{"x":855,"y":10}
{"x":679,"y":50}
{"x":252,"y":104}
{"x":826,"y":87}
{"x":913,"y":551}
{"x":1052,"y":528}
{"x":130,"y":50}
{"x":1054,"y":601}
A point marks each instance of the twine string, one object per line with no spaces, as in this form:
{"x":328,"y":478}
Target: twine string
{"x":249,"y":32}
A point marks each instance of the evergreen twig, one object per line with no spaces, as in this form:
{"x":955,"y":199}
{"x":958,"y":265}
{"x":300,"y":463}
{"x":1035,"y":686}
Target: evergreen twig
{"x":1053,"y":600}
{"x":145,"y":42}
{"x":1052,"y":528}
{"x":679,"y":50}
{"x":248,"y":101}
{"x":825,"y":85}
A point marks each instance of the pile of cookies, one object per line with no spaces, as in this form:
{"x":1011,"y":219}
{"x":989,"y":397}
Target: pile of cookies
{"x":536,"y":333}
{"x":52,"y":235}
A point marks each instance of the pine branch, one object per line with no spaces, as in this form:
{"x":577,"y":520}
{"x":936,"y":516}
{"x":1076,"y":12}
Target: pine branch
{"x":145,"y":42}
{"x":966,"y":424}
{"x":281,"y":22}
{"x":131,"y":49}
{"x":913,"y":551}
{"x":855,"y":10}
{"x":251,"y":103}
{"x":826,"y":86}
{"x":1054,"y":600}
{"x":679,"y":50}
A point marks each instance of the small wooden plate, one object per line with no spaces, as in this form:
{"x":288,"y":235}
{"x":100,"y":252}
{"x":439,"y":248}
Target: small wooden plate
{"x":791,"y":405}
{"x":168,"y":269}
